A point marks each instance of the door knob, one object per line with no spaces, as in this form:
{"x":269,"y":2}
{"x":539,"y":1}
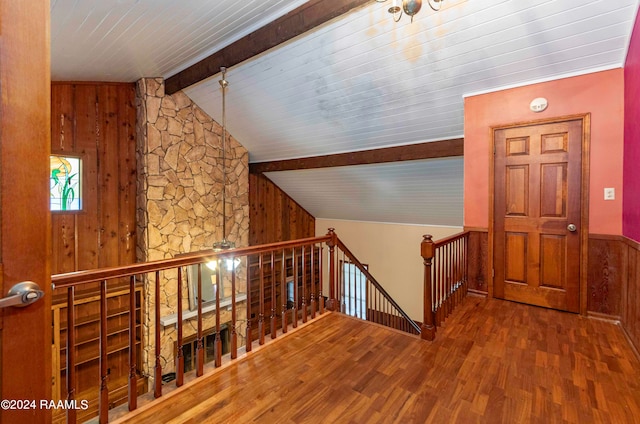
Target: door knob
{"x":22,"y":294}
{"x":571,"y":227}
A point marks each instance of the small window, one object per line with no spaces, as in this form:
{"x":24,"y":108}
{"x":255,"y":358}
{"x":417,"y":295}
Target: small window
{"x":355,"y":290}
{"x":65,"y":184}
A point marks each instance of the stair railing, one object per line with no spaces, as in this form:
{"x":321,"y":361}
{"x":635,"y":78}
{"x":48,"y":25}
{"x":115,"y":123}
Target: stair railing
{"x":445,"y":278}
{"x":359,"y":294}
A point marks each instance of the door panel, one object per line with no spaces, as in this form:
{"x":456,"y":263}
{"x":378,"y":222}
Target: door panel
{"x":25,"y":233}
{"x":537,"y":194}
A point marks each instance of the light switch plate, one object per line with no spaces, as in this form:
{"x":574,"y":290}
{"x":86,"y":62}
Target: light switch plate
{"x":609,"y":194}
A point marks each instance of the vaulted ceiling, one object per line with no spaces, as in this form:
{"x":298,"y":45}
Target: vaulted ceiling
{"x":357,"y":82}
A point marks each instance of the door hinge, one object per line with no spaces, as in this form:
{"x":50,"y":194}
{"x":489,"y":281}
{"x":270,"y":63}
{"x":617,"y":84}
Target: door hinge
{"x":493,"y":273}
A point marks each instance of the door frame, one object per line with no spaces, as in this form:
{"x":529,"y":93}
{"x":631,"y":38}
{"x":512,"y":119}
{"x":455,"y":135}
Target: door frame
{"x":584,"y":197}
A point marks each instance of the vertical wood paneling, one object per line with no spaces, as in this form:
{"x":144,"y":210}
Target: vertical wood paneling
{"x":97,"y":123}
{"x":127,"y":176}
{"x":614,"y":281}
{"x":631,"y":312}
{"x":607,"y":273}
{"x":63,"y":258}
{"x":108,"y":193}
{"x":87,"y":230}
{"x":478,"y":251}
{"x":274,"y":216}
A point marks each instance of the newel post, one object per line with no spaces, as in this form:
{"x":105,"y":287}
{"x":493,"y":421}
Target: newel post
{"x":331,"y":304}
{"x":427,"y":250}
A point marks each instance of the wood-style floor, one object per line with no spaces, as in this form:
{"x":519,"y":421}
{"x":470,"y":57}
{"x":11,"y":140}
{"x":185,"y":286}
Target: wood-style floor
{"x":493,"y":362}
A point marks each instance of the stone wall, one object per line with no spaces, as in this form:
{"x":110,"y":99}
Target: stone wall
{"x":179,"y":205}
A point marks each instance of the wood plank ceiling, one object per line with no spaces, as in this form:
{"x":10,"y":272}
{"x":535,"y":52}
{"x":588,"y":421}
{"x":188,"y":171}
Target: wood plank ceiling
{"x":358,"y":82}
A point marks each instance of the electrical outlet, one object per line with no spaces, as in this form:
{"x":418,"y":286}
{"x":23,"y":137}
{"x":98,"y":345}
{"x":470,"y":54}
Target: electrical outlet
{"x":609,"y":194}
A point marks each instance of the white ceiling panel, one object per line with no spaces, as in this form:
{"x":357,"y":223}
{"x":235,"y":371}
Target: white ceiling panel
{"x":362,"y":81}
{"x":124,"y":40}
{"x":414,"y":192}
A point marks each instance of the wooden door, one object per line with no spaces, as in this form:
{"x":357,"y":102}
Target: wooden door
{"x":25,"y":333}
{"x":537,"y":214}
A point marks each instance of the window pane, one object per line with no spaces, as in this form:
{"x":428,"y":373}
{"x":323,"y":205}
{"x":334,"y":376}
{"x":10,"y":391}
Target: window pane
{"x":65,"y":190}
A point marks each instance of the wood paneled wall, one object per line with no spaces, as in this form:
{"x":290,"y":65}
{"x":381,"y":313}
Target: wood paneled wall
{"x":613,"y":278}
{"x":614,"y":281}
{"x":274,"y":216}
{"x":96,"y":122}
{"x":478,"y":251}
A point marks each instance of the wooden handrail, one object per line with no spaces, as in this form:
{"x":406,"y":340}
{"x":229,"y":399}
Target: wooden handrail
{"x":449,"y":239}
{"x":90,"y":276}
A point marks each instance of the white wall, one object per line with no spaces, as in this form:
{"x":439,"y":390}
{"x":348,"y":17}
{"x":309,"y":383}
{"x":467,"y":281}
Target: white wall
{"x":392,"y":252}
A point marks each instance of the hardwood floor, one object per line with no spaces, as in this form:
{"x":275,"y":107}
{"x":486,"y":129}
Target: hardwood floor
{"x":493,"y":362}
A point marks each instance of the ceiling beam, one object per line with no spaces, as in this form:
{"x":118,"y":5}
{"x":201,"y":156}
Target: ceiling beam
{"x":429,"y":150}
{"x":300,"y":20}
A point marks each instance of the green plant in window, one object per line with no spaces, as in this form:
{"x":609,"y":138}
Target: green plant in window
{"x":63,"y":180}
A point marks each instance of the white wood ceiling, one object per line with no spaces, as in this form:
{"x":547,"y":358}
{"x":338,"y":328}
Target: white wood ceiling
{"x":358,"y":82}
{"x":125,"y":40}
{"x":425,"y":192}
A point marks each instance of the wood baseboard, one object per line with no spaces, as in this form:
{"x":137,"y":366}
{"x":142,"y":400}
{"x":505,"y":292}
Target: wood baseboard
{"x":477,"y":293}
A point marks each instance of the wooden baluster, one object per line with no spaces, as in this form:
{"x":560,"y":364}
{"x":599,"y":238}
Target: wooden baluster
{"x":442,"y":280}
{"x":71,"y":353}
{"x":294,"y":313}
{"x":359,"y":293}
{"x":367,"y":292}
{"x":217,"y":341}
{"x":283,"y":291}
{"x":387,"y":313}
{"x":331,"y":305}
{"x":199,"y":337}
{"x":313,"y":282}
{"x":133,"y":377}
{"x":321,"y":279}
{"x":466,"y":263}
{"x":261,"y":303}
{"x":234,"y":317}
{"x":273,"y":296}
{"x":378,"y":307}
{"x":428,"y":330}
{"x":249,"y":340}
{"x":304,"y":283}
{"x":342,"y":292}
{"x":180,"y":357}
{"x":103,"y":404}
{"x":448,"y":271}
{"x":454,"y":279}
{"x":459,"y":267}
{"x":439,"y":284}
{"x":157,"y":392}
{"x":348,"y":287}
{"x":445,"y":281}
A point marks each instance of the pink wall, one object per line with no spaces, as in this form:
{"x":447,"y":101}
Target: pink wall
{"x":631,"y":204}
{"x":601,"y":94}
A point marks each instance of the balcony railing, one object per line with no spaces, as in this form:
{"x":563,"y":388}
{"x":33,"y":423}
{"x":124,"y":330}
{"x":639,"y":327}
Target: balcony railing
{"x":266,"y":290}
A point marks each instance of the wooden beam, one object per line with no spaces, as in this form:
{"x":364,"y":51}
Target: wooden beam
{"x":429,"y":150}
{"x":300,"y":20}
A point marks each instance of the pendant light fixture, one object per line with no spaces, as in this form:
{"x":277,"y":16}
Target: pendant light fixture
{"x":224,"y":244}
{"x":410,"y":7}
